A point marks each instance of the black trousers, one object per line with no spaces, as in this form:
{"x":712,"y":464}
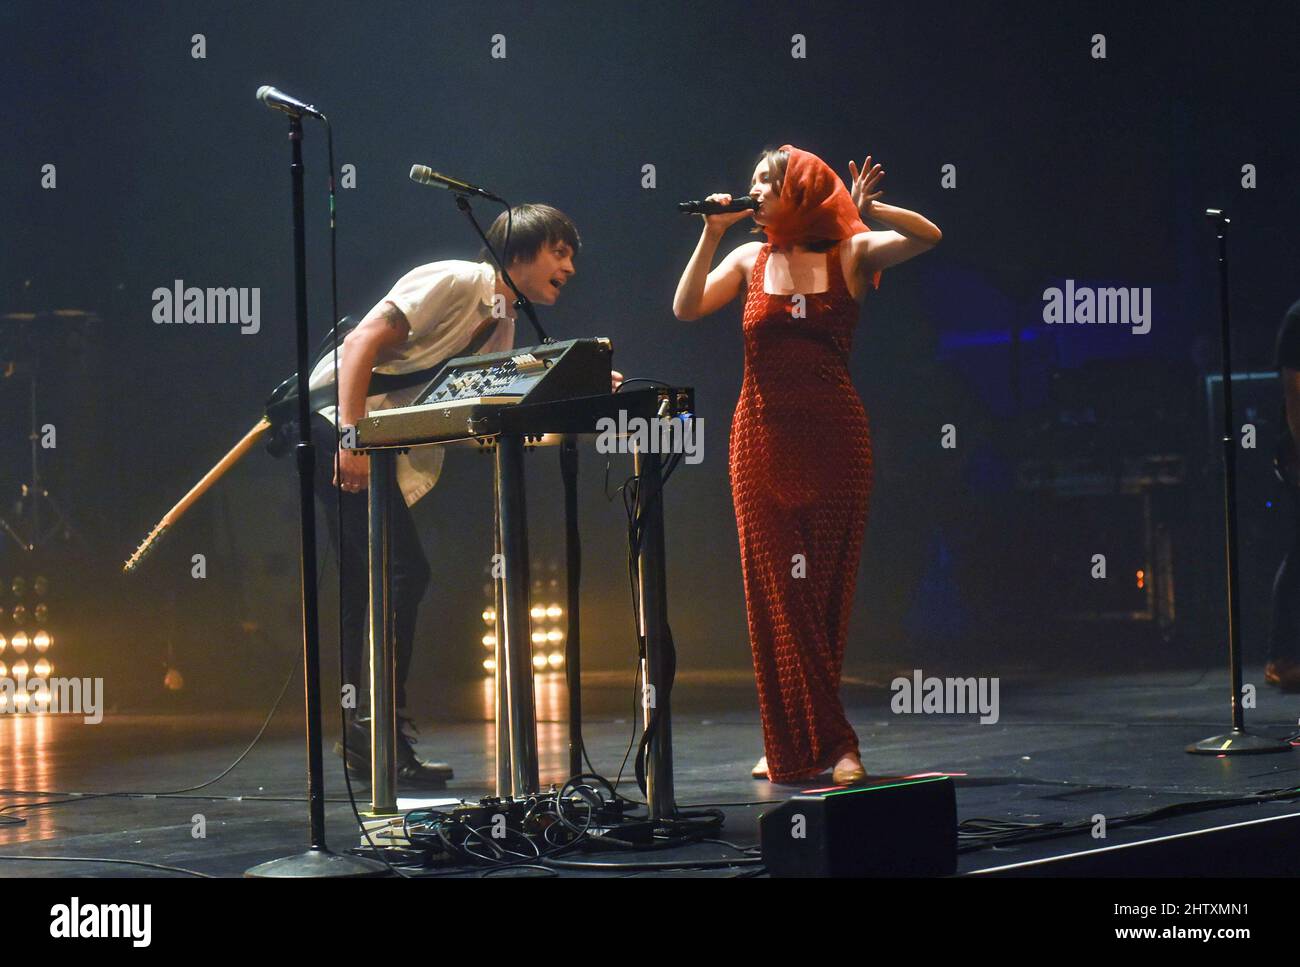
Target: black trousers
{"x":410,"y":569}
{"x":1284,"y":629}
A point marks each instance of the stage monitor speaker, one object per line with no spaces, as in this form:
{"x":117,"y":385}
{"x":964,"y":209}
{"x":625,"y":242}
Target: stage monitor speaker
{"x":887,"y":827}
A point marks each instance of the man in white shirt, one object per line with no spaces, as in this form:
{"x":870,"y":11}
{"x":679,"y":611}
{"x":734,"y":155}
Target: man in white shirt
{"x":434,"y":312}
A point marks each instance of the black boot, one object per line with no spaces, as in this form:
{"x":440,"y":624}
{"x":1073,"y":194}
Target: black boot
{"x":411,"y":769}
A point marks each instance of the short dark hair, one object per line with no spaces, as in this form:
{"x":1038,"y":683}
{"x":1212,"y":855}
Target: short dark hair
{"x":531,"y":226}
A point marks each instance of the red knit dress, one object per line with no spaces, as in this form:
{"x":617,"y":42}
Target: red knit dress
{"x":801,"y":476}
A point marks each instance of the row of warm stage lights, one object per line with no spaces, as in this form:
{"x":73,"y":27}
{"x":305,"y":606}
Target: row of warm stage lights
{"x":22,"y":700}
{"x":40,"y":640}
{"x":41,"y":669}
{"x":551,"y":637}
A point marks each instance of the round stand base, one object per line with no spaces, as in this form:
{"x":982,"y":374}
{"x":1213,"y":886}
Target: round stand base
{"x":1238,"y":743}
{"x":319,"y":863}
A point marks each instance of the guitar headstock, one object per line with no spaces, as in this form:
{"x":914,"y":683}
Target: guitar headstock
{"x":145,"y":547}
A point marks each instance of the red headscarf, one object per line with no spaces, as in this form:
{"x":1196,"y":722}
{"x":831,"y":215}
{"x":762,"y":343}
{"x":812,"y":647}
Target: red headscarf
{"x":820,"y":207}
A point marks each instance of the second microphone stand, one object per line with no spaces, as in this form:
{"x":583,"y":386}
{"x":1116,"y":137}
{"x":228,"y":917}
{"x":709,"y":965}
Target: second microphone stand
{"x":1238,"y":741}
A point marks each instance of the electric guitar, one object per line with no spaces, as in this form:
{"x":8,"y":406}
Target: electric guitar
{"x":279,"y":424}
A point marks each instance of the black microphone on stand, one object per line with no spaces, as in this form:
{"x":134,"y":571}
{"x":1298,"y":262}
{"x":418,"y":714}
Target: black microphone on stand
{"x":424,"y":175}
{"x":738,"y":204}
{"x":280,"y":101}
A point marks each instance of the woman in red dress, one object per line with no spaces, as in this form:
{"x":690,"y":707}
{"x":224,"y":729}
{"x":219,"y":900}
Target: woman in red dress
{"x":800,"y":440}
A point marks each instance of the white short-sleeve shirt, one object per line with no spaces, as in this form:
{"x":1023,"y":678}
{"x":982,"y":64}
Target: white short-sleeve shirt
{"x":444,"y":303}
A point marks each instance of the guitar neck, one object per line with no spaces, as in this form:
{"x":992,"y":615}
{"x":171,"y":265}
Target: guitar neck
{"x":218,"y":471}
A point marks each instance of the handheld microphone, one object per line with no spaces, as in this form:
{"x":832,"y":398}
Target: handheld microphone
{"x":424,"y":175}
{"x":737,"y":204}
{"x":280,"y":101}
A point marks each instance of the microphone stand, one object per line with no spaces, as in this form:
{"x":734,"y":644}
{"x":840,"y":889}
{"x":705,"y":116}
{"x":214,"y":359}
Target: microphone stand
{"x":572,"y":540}
{"x":1238,"y":741}
{"x":317,"y":861}
{"x":521,"y":300}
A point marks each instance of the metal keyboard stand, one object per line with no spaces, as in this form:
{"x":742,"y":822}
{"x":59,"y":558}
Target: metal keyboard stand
{"x":383,"y":649}
{"x":652,"y":620}
{"x":517,"y":771}
{"x":517,"y":757}
{"x":517,"y":768}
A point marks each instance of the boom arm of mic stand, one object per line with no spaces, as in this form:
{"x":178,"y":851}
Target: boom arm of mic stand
{"x":521,"y":300}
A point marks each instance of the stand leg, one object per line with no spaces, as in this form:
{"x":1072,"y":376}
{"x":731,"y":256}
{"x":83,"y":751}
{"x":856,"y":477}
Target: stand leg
{"x":383,"y":651}
{"x":573,"y":581}
{"x":504,"y":772}
{"x":518,"y":649}
{"x":652,"y":578}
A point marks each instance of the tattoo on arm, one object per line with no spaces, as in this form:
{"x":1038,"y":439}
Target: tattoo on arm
{"x":394,"y":318}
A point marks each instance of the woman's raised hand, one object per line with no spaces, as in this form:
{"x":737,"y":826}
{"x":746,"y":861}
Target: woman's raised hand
{"x":865,"y":185}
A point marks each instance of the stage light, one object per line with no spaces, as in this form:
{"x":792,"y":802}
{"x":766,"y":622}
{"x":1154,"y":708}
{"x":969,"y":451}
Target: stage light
{"x":489,"y":641}
{"x":43,"y":668}
{"x":18,"y":587}
{"x":3,"y":642}
{"x":20,"y":701}
{"x":555,"y":659}
{"x":539,"y":661}
{"x":40,"y":585}
{"x":1141,"y":579}
{"x":4,"y":670}
{"x":554,"y":611}
{"x":20,"y":614}
{"x":41,"y":612}
{"x":538,"y":611}
{"x":489,"y":665}
{"x":19,"y":641}
{"x":489,"y":615}
{"x":42,"y":641}
{"x":20,"y":668}
{"x":539,"y":637}
{"x":555,"y":634}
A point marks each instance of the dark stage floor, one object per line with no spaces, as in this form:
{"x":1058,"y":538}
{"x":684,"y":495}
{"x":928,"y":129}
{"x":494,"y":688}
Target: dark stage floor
{"x":1061,"y":751}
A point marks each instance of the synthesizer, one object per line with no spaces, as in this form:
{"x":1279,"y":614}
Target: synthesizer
{"x":466,"y":399}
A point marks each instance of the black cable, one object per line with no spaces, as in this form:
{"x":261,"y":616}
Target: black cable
{"x":172,"y":792}
{"x":632,"y":500}
{"x":637,"y":508}
{"x":657,"y":864}
{"x":981,"y":833}
{"x":101,"y":859}
{"x":550,"y":874}
{"x":640,"y":379}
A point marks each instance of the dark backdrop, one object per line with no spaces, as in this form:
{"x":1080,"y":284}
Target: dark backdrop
{"x":1067,"y":167}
